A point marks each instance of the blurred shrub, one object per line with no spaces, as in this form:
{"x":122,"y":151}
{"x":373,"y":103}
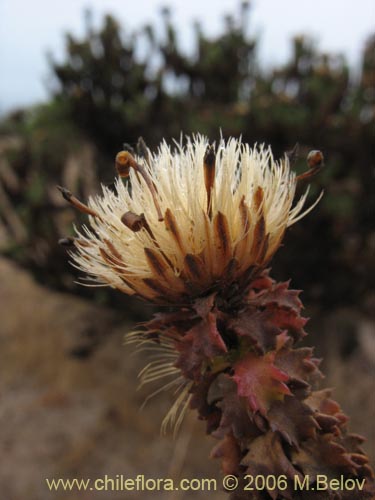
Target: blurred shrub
{"x":105,"y":92}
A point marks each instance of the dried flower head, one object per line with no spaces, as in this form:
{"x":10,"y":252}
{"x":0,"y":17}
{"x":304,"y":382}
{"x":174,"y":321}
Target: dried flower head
{"x":191,"y":219}
{"x":194,"y":228}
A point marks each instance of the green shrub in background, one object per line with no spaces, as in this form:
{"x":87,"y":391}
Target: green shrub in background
{"x":105,"y":92}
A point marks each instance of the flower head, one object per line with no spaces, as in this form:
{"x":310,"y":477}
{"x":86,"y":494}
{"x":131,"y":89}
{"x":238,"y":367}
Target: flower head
{"x":195,"y":227}
{"x":189,"y":219}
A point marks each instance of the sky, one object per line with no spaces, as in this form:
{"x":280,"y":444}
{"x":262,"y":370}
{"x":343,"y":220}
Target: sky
{"x":30,"y":28}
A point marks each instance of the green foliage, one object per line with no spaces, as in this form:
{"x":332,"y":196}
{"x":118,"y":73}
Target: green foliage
{"x":106,"y":93}
{"x":102,"y":82}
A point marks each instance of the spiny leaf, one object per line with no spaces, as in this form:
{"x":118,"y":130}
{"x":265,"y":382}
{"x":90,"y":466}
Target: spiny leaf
{"x":260,"y":381}
{"x":323,"y":456}
{"x":235,"y":413}
{"x":277,"y":294}
{"x":265,"y":457}
{"x":229,"y":451}
{"x":257,"y":326}
{"x":299,"y":364}
{"x":293,"y":419}
{"x":201,"y":343}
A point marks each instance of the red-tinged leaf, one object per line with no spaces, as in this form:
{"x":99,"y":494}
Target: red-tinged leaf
{"x":298,"y":364}
{"x":201,"y":343}
{"x":320,"y":402}
{"x":352,"y":443}
{"x":287,"y":319}
{"x":328,"y":423}
{"x":330,"y":407}
{"x":229,"y":452}
{"x":293,"y":419}
{"x":254,"y":389}
{"x":269,"y":311}
{"x":262,"y":282}
{"x":260,"y":381}
{"x":236,"y":418}
{"x":277,"y":294}
{"x":266,"y":457}
{"x":323,"y":456}
{"x":257,"y":326}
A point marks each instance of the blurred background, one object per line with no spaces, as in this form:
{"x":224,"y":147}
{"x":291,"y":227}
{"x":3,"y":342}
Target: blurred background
{"x":78,"y":80}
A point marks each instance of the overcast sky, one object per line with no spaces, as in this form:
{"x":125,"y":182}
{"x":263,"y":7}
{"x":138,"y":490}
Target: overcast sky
{"x":29,"y":28}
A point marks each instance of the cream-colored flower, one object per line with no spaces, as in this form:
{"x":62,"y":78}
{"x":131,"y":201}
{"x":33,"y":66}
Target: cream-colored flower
{"x":188,"y":220}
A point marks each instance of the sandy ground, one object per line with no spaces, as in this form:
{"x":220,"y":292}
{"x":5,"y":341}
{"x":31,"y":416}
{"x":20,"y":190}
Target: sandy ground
{"x":70,"y":409}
